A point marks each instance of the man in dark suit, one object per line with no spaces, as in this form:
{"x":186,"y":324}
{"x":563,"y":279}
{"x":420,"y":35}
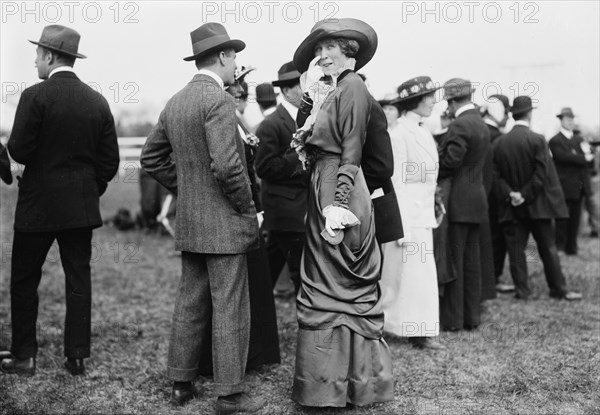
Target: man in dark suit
{"x":571,"y":166}
{"x":196,"y":152}
{"x":495,"y":117}
{"x":529,"y":198}
{"x":284,"y":189}
{"x":64,"y":134}
{"x":463,"y":158}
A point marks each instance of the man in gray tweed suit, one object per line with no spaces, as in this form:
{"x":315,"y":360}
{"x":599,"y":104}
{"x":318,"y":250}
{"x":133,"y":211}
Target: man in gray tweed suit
{"x":196,"y":152}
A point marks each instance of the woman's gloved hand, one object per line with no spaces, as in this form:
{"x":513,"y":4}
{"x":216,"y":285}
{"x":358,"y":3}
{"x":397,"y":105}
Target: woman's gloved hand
{"x":338,"y":218}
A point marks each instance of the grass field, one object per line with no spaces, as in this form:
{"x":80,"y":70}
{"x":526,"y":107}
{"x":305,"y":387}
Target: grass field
{"x":536,"y":357}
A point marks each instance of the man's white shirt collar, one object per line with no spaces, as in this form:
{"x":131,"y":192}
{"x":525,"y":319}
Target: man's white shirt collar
{"x":213,"y":76}
{"x":567,"y":133}
{"x":464,"y":108}
{"x":292,"y":110}
{"x":522,"y":122}
{"x":61,"y":69}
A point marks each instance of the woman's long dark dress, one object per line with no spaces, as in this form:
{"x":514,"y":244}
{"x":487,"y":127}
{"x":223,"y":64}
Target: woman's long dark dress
{"x":341,"y":356}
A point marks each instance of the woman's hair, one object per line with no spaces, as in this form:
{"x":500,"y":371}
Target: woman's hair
{"x":411,"y":103}
{"x":349,"y":47}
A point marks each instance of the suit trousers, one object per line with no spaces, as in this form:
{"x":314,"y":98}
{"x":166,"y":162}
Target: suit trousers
{"x":212,"y":305}
{"x":28,"y":255}
{"x":282,"y":247}
{"x":567,"y":229}
{"x":517,"y":235}
{"x":460,"y":305}
{"x":498,"y":243}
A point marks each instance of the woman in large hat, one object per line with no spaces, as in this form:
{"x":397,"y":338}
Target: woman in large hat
{"x":341,"y":356}
{"x":408,"y":276}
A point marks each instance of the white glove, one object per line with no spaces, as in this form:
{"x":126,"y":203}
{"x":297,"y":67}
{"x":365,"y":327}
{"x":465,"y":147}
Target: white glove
{"x":310,"y":81}
{"x":338,"y":218}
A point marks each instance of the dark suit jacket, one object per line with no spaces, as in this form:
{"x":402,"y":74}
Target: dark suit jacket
{"x":64,"y":134}
{"x":571,"y":165}
{"x":522,"y":164}
{"x":462,"y":158}
{"x":284,"y":190}
{"x":195,"y":151}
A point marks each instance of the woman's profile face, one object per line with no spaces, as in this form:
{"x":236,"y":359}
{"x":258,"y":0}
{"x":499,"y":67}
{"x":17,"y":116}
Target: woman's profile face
{"x":331,"y":56}
{"x":426,"y":105}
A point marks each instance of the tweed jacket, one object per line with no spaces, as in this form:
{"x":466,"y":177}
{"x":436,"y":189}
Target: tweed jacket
{"x":571,"y":166}
{"x":196,"y":152}
{"x":522,"y":163}
{"x":463,"y":158}
{"x":64,"y":135}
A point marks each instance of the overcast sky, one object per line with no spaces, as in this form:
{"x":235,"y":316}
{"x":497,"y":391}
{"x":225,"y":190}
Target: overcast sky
{"x":549,"y":50}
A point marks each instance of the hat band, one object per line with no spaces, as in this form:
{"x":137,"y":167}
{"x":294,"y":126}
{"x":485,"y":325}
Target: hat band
{"x":210,"y":43}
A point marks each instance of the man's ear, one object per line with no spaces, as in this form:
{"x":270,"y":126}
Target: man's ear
{"x":222,"y":57}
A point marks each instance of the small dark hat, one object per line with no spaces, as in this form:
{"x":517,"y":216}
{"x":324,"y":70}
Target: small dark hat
{"x":415,"y":87}
{"x":287,"y":74}
{"x":521,"y":104}
{"x":345,"y":28}
{"x":212,"y":37}
{"x":566,"y":112}
{"x":457,"y":88}
{"x":265,"y":93}
{"x":503,"y":99}
{"x":61,"y":39}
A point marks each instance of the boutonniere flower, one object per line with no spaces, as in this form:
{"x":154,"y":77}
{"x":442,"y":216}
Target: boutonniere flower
{"x":298,"y":143}
{"x":251,"y":139}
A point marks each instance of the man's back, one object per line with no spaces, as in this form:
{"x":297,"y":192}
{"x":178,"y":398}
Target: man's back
{"x":463,"y":158}
{"x":64,"y":134}
{"x":215,"y":211}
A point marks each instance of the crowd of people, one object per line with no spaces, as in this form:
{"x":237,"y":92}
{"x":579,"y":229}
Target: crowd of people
{"x":386,"y":229}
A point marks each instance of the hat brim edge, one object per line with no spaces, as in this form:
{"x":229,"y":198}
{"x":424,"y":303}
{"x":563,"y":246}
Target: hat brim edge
{"x":236,"y":44}
{"x":75,"y":55}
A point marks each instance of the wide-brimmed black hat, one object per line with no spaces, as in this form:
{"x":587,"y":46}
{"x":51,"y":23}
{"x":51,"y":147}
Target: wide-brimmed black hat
{"x":521,"y":104}
{"x":566,"y":112}
{"x":61,"y":39}
{"x":287,"y":74}
{"x":212,"y":37}
{"x":415,"y":87}
{"x":457,"y":88}
{"x":346,"y":28}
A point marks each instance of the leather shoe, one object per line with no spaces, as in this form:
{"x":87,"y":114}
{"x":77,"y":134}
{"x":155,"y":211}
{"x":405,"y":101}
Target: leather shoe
{"x":182,"y":393}
{"x":569,"y":296}
{"x":239,"y":403}
{"x":505,"y":288}
{"x":75,"y":366}
{"x":21,"y":367}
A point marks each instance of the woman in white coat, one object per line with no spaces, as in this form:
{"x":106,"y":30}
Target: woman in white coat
{"x":409,"y":280}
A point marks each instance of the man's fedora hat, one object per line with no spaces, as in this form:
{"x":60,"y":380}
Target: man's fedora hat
{"x":416,"y":87}
{"x":345,"y":28}
{"x":457,"y":88}
{"x":287,"y":74}
{"x":566,"y":112}
{"x":60,"y":39}
{"x":521,"y":104}
{"x":212,"y":37}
